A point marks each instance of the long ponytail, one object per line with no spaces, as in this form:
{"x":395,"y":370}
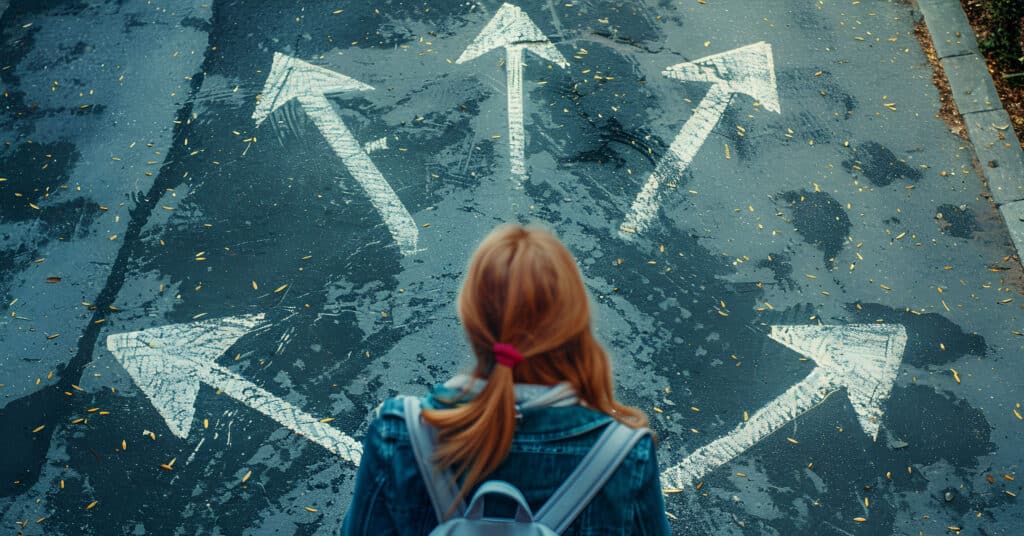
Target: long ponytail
{"x":475,"y":437}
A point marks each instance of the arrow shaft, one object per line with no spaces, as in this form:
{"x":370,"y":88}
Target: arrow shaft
{"x":678,"y":158}
{"x":797,"y":400}
{"x":382,"y":196}
{"x":516,"y":130}
{"x":279,"y":410}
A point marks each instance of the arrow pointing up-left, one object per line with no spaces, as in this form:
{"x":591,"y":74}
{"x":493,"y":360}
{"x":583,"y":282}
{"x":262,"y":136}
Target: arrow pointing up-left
{"x":291,"y":78}
{"x":169,"y":362}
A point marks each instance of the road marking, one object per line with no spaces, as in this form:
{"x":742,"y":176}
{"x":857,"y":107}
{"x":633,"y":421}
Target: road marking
{"x":863,"y":358}
{"x":169,"y":362}
{"x":376,"y":145}
{"x":512,"y":28}
{"x":291,"y":78}
{"x":749,"y":70}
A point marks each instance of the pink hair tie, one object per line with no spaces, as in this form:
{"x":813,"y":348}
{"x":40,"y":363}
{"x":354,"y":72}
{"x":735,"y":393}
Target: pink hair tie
{"x":506,"y":354}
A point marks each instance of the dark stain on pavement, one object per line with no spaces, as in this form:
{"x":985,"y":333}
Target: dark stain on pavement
{"x":880,"y":165}
{"x":782,"y":269}
{"x":820,"y":220}
{"x":613,"y":133}
{"x":926,"y":334}
{"x":938,"y":425}
{"x":34,"y":172}
{"x":956,"y":221}
{"x":823,"y":84}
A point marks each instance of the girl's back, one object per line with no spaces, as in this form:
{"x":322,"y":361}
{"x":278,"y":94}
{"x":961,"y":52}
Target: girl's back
{"x":535,"y":402}
{"x":549,"y":443}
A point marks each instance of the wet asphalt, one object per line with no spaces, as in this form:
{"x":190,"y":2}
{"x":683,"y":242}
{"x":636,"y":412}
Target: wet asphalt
{"x":139,"y":193}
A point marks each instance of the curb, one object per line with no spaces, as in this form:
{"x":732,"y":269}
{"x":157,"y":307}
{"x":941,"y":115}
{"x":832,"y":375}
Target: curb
{"x":988,"y":125}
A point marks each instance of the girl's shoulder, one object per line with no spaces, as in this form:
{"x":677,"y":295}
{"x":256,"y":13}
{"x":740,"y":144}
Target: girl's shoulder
{"x":441,"y":396}
{"x":389,"y":415}
{"x":389,"y":418}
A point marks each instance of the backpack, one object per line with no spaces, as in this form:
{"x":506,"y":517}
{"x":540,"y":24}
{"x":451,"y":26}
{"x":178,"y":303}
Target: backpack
{"x":560,"y":510}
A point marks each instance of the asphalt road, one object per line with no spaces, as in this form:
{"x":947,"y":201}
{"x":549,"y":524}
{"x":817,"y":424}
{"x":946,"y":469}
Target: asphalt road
{"x":803,"y":181}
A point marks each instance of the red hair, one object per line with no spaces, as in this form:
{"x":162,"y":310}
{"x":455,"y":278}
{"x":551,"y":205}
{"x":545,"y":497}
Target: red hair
{"x":522,"y":288}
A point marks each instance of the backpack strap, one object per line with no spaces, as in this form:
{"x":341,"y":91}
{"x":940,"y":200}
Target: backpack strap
{"x":440,"y":483}
{"x":569,"y":500}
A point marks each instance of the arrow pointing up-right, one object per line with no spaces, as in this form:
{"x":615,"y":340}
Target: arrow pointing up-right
{"x":862,"y":358}
{"x":749,"y":70}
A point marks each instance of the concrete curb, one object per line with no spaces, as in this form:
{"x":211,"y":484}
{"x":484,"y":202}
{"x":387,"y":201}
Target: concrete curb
{"x":988,"y":125}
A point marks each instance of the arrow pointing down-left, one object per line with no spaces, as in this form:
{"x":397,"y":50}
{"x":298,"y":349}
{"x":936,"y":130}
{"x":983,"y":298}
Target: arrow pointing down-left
{"x":169,"y":362}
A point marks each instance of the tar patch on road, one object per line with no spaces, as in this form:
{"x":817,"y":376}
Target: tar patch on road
{"x":880,"y":165}
{"x":820,"y":220}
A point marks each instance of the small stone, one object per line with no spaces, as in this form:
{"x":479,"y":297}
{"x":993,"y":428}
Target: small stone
{"x":949,"y":496}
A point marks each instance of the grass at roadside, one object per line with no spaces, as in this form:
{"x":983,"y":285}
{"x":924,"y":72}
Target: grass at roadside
{"x":999,"y":27}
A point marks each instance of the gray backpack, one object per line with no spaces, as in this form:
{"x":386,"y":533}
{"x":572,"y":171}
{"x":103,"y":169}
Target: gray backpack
{"x":560,"y":510}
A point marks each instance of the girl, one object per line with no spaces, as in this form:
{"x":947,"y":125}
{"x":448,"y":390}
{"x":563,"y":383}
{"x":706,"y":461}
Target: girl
{"x":536,"y":401}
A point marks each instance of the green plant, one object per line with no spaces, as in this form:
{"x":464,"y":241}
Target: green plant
{"x":1004,"y":38}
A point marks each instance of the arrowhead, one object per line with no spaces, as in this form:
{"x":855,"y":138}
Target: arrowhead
{"x":748,"y":70}
{"x":510,"y":26}
{"x":864,"y":358}
{"x":291,"y":77}
{"x":165,"y":362}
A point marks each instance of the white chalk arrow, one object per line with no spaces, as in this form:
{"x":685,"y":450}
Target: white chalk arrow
{"x":862,"y":358}
{"x":512,"y":28}
{"x":169,"y":362}
{"x":292,"y":78}
{"x":748,"y":70}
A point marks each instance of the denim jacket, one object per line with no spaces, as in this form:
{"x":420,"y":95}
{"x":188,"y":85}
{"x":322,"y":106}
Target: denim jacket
{"x":391,"y":499}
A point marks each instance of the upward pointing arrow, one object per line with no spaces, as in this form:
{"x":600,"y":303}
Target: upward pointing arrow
{"x":291,"y":78}
{"x":862,"y":358}
{"x":169,"y":362}
{"x":512,"y":28}
{"x":749,"y":70}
